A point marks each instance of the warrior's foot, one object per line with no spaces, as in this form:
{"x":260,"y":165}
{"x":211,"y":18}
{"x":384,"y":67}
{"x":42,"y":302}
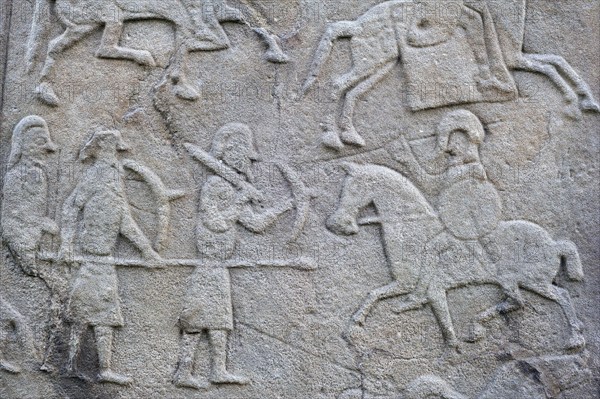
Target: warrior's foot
{"x":48,"y":368}
{"x":4,"y":365}
{"x":190,"y":382}
{"x":227,"y":378}
{"x":493,"y":85}
{"x":572,"y":111}
{"x":351,"y":136}
{"x":45,"y":94}
{"x":112,"y":377}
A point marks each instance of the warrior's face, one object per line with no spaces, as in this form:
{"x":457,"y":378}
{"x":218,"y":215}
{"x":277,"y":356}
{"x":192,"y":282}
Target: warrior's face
{"x":460,"y":149}
{"x":37,"y":144}
{"x":237,"y":153}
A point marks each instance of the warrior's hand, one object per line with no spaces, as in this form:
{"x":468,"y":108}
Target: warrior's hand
{"x":66,"y":254}
{"x":251,"y":193}
{"x":401,"y":152}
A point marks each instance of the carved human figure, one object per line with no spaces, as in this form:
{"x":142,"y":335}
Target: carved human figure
{"x":223,"y":206}
{"x":100,"y":199}
{"x":25,"y":208}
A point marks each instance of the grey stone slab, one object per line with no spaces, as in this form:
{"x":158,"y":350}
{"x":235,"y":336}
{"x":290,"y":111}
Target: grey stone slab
{"x":300,"y":199}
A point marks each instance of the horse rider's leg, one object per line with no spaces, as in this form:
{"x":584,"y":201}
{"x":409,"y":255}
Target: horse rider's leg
{"x":480,"y":32}
{"x":588,"y":103}
{"x":334,"y":31}
{"x":69,"y":37}
{"x":527,"y":63}
{"x":388,"y":291}
{"x":514,"y":301}
{"x":109,"y":46}
{"x":562,"y":297}
{"x":439,"y":305}
{"x":348,"y":132}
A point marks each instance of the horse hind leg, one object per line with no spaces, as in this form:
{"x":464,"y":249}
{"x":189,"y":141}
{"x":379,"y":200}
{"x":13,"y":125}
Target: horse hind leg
{"x":109,"y":46}
{"x":68,"y":38}
{"x":562,"y":297}
{"x":528,"y":63}
{"x":588,"y":103}
{"x":348,"y":134}
{"x":514,"y":301}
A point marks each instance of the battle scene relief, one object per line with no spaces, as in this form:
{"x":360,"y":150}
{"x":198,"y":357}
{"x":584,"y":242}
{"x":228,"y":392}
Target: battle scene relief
{"x":349,"y":199}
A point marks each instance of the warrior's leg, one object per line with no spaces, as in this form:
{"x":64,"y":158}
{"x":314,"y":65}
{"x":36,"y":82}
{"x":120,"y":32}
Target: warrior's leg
{"x":77,"y":331}
{"x":220,"y":375}
{"x":4,"y":364}
{"x":104,"y":344}
{"x":183,"y":376}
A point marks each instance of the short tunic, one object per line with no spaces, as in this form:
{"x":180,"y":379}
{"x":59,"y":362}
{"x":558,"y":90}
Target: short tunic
{"x":207,"y":303}
{"x":94,"y":297}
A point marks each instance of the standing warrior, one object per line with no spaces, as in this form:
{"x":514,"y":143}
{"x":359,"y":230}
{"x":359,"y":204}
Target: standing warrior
{"x":100,"y":198}
{"x":225,"y":201}
{"x":25,"y":207}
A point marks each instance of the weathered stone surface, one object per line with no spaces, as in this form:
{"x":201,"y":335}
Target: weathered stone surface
{"x":300,"y":199}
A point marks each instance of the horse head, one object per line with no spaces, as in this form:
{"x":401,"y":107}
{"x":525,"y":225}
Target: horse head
{"x":354,"y":197}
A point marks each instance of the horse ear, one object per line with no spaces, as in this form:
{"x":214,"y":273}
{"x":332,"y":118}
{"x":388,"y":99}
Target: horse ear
{"x":349,"y":168}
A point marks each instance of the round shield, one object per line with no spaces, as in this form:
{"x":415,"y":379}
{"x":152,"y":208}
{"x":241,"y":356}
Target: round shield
{"x":470,"y":209}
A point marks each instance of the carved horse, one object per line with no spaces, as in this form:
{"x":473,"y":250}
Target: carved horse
{"x":378,"y":36}
{"x":412,"y":233}
{"x":192,"y":33}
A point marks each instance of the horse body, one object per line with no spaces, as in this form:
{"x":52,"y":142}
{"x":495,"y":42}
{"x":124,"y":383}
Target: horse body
{"x":515,"y":255}
{"x":378,"y":36}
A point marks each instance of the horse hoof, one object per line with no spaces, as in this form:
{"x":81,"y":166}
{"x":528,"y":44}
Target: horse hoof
{"x":45,"y":94}
{"x":331,"y":140}
{"x":476,"y":333}
{"x":576,"y":342}
{"x":590,"y":105}
{"x":277,"y":57}
{"x":350,"y":136}
{"x":146,"y":59}
{"x":572,"y":111}
{"x":186,"y":92}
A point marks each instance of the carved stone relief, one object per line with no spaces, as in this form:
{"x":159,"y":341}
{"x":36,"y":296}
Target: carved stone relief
{"x":299,"y":199}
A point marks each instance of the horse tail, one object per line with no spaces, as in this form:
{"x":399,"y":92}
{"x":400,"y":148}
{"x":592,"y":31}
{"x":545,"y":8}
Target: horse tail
{"x":35,"y":34}
{"x":568,"y":251}
{"x":334,"y":31}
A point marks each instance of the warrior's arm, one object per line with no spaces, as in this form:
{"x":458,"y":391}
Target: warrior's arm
{"x":259,"y":222}
{"x":130,"y":230}
{"x":402,"y":153}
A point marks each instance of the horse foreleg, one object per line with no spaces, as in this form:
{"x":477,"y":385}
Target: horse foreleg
{"x":439,"y":305}
{"x":388,"y":291}
{"x":348,"y":131}
{"x":588,"y":103}
{"x":527,"y":63}
{"x":68,"y":38}
{"x":109,"y":46}
{"x":562,"y":297}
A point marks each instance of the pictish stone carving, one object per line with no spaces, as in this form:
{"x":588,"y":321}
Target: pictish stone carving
{"x":303,"y":199}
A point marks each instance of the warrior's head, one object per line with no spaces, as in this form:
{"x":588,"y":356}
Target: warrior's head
{"x":31,"y":141}
{"x":234,"y":145}
{"x":459,"y":135}
{"x":104,"y":144}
